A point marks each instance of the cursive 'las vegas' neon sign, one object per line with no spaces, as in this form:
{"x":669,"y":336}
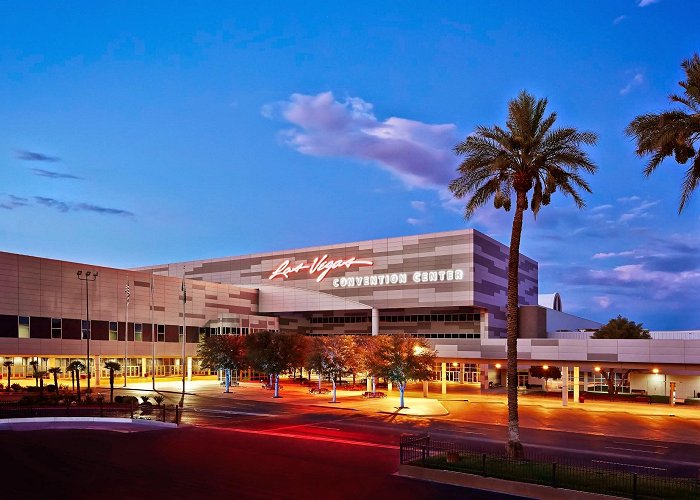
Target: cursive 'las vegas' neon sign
{"x":320,"y":266}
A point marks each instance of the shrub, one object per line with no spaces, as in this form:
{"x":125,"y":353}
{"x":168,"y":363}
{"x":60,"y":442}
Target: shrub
{"x":118,"y":399}
{"x":144,"y":399}
{"x":158,"y":399}
{"x":16,"y":387}
{"x":50,"y":388}
{"x":126,"y":400}
{"x":89,"y":399}
{"x":100,"y":397}
{"x":27,"y":400}
{"x":32,"y":388}
{"x":2,"y":387}
{"x":64,"y":388}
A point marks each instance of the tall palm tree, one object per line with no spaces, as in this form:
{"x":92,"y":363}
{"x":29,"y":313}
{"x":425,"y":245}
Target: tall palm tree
{"x":526,"y":159}
{"x":112,"y":366}
{"x":55,"y":371}
{"x":75,"y":367}
{"x":35,"y":364}
{"x":8,"y":364}
{"x":40,"y":376}
{"x":674,"y":132}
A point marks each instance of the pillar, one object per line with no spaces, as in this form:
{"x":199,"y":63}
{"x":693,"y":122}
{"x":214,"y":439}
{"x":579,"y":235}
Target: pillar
{"x":484,"y":376}
{"x":461,"y":373}
{"x":443,"y":377}
{"x":369,"y":383}
{"x":585,"y":381}
{"x":564,"y":385}
{"x":425,"y":388}
{"x":388,"y":386}
{"x":97,"y":368}
{"x":144,"y":367}
{"x":375,"y":322}
{"x":576,"y":384}
{"x":189,"y":368}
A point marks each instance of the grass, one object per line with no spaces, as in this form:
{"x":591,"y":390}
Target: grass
{"x":611,"y":482}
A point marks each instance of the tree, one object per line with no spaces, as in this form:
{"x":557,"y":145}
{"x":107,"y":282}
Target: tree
{"x":55,"y":371}
{"x":400,"y":358}
{"x":112,"y":366}
{"x":335,"y":353}
{"x":75,"y":367}
{"x":8,"y":364}
{"x":674,"y":132}
{"x":314,"y":358}
{"x":273,"y":353}
{"x":40,"y":376}
{"x":621,"y":328}
{"x":545,"y":372}
{"x":526,"y":159}
{"x":611,"y":380}
{"x":35,"y":367}
{"x":222,"y":352}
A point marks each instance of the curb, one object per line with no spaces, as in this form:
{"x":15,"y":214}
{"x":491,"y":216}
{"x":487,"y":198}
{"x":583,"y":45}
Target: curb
{"x":18,"y":423}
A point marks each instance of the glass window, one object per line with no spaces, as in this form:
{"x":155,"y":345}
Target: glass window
{"x":113,"y":333}
{"x":55,"y":328}
{"x":23,"y":327}
{"x":179,"y":334}
{"x":161,"y":333}
{"x":85,"y":327}
{"x":138,"y":332}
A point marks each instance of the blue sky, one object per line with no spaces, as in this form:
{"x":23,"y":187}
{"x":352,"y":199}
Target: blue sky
{"x":134,"y":134}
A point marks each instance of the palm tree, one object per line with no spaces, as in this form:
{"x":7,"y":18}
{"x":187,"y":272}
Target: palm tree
{"x":75,"y":367}
{"x":527,"y":158}
{"x":35,"y":365}
{"x":674,"y":132}
{"x":112,"y":366}
{"x":55,"y":371}
{"x":8,"y":364}
{"x":40,"y":376}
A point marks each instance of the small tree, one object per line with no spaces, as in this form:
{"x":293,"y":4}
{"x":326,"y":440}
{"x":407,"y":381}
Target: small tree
{"x":35,"y":364}
{"x":334,"y":355}
{"x":621,"y":328}
{"x":112,"y":366}
{"x":222,"y":352}
{"x":400,"y":358}
{"x":8,"y":364}
{"x":55,"y":371}
{"x":75,"y":367}
{"x":545,"y":372}
{"x":273,"y":353}
{"x":40,"y":376}
{"x":611,"y":380}
{"x":314,"y":358}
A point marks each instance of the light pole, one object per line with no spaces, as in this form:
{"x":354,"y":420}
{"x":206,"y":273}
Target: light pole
{"x":89,"y":276}
{"x":184,"y":333}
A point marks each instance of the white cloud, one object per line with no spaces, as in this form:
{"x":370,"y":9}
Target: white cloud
{"x":602,"y":301}
{"x":607,"y":255}
{"x":600,"y":208}
{"x":619,"y":19}
{"x":644,"y":3}
{"x":415,"y":222}
{"x":637,"y":80}
{"x":627,"y":199}
{"x":420,"y":154}
{"x":418,"y":205}
{"x":640,"y":211}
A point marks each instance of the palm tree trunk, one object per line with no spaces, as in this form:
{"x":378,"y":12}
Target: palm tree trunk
{"x":514,"y":447}
{"x":77,"y":379}
{"x":111,"y":385}
{"x":55,"y":382}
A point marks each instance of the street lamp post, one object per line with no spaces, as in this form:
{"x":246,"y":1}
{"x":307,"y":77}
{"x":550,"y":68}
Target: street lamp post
{"x":89,"y":276}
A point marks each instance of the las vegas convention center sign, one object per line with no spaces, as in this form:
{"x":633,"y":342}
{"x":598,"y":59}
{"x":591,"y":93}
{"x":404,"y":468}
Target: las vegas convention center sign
{"x":320,"y":267}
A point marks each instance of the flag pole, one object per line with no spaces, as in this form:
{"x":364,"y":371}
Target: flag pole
{"x":184,"y":331}
{"x":153,"y":339}
{"x":126,"y":329}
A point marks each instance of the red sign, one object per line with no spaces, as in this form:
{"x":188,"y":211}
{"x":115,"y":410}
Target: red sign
{"x":321,"y":266}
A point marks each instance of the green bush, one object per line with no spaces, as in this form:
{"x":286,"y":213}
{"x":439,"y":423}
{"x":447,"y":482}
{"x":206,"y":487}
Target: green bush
{"x":50,"y":388}
{"x":658,"y":399}
{"x":158,"y":399}
{"x":32,"y":388}
{"x":27,"y":400}
{"x":16,"y":387}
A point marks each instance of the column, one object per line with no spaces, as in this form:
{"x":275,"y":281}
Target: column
{"x":484,"y":376}
{"x":388,"y":386}
{"x":564,"y":385}
{"x":443,"y":377}
{"x":585,"y":381}
{"x":576,"y":384}
{"x":375,"y":322}
{"x":461,"y":373}
{"x":189,"y":368}
{"x":97,"y":368}
{"x":369,"y":383}
{"x":425,"y":388}
{"x":144,"y":367}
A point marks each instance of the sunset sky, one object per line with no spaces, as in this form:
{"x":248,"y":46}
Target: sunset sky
{"x":135,"y":134}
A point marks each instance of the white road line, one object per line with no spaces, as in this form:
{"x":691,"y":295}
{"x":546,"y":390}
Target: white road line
{"x":233,"y":412}
{"x":641,"y":444}
{"x":635,"y":450}
{"x":460,"y":432}
{"x":628,"y":465}
{"x":330,"y":428}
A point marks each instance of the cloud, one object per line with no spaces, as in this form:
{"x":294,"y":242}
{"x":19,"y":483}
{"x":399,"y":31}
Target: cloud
{"x":607,"y":255}
{"x":637,"y":80}
{"x":415,"y":222}
{"x":13,"y":202}
{"x":619,"y":19}
{"x":418,"y":205}
{"x":644,"y":3}
{"x":640,"y":211}
{"x":33,"y":156}
{"x":627,"y":199}
{"x":53,"y":175}
{"x":63,"y":206}
{"x":602,"y":301}
{"x":419,"y":154}
{"x":600,"y":208}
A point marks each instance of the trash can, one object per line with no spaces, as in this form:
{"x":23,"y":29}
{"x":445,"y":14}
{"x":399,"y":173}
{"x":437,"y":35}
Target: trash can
{"x":582,"y":398}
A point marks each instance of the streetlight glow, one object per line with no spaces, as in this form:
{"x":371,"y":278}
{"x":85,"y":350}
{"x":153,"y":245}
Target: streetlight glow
{"x":545,"y":367}
{"x":498,"y":366}
{"x":597,"y":368}
{"x":655,"y":371}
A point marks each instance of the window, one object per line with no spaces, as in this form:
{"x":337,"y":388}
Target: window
{"x":55,"y":328}
{"x":179,"y":337}
{"x":23,"y":327}
{"x":113,"y":333}
{"x":85,"y":327}
{"x":161,"y":333}
{"x":202,"y":334}
{"x":138,"y":332}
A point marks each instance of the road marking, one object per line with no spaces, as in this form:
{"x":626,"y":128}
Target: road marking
{"x":330,"y":428}
{"x":460,"y":432}
{"x":641,"y":444}
{"x":233,"y":412}
{"x":628,"y":465}
{"x":632,"y":449}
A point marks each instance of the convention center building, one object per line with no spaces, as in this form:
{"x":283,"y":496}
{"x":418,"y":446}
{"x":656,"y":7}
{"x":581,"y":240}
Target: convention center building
{"x":449,"y":288}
